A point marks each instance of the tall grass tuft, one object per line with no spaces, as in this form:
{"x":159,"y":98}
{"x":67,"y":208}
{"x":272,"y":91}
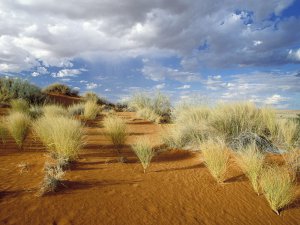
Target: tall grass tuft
{"x":144,"y":151}
{"x":216,"y":158}
{"x":251,"y":162}
{"x":62,"y":136}
{"x":91,"y":110}
{"x":19,"y":105}
{"x":3,"y":131}
{"x":292,"y":160}
{"x":289,"y":133}
{"x":116,"y":129}
{"x":278,"y":187}
{"x":55,"y":110}
{"x":35,"y":111}
{"x":76,"y":109}
{"x":18,"y":124}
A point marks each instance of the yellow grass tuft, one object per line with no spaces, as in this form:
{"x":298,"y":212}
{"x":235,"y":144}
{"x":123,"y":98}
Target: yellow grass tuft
{"x":116,"y":129}
{"x":55,"y":110}
{"x":144,"y":151}
{"x":278,"y":187}
{"x":19,"y":105}
{"x":216,"y":158}
{"x":91,"y":110}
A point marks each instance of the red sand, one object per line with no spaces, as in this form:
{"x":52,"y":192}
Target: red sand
{"x":177,"y":189}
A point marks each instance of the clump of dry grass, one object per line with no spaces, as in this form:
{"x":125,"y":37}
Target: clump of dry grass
{"x":292,"y":160}
{"x":76,"y":109}
{"x":3,"y":131}
{"x":251,"y":162}
{"x":277,"y":186}
{"x":19,"y":105}
{"x":288,"y":133}
{"x":18,"y":124}
{"x":144,"y":151}
{"x":116,"y":129}
{"x":52,"y":179}
{"x":216,"y":157}
{"x":62,"y":136}
{"x":91,"y":110}
{"x":55,"y":110}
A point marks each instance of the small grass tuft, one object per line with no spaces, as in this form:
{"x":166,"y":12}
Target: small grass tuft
{"x":91,"y":110}
{"x":144,"y":151}
{"x":277,"y":186}
{"x":251,"y":162}
{"x":116,"y":129}
{"x":18,"y":124}
{"x":216,"y":158}
{"x":55,"y":110}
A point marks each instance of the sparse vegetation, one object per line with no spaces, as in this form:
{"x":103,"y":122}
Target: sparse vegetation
{"x":12,"y":88}
{"x":144,"y":151}
{"x":216,"y":158}
{"x":116,"y":129}
{"x":251,"y":162}
{"x":91,"y":110}
{"x":62,"y":136}
{"x":156,"y":109}
{"x":60,"y":89}
{"x":17,"y":124}
{"x":277,"y":186}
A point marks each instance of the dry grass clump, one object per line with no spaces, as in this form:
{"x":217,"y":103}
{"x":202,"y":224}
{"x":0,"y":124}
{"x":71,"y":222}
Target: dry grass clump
{"x":76,"y":109}
{"x":35,"y":111}
{"x":232,"y":119}
{"x":91,"y":110}
{"x":144,"y":151}
{"x":251,"y":162}
{"x":116,"y":129}
{"x":288,"y":133}
{"x":3,"y":131}
{"x":156,"y":109}
{"x":62,"y":136}
{"x":216,"y":158}
{"x":292,"y":159}
{"x":52,"y":179}
{"x":18,"y":124}
{"x":55,"y":110}
{"x":277,"y":186}
{"x":19,"y":105}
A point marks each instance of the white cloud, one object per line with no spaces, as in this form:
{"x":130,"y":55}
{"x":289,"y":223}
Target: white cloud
{"x":160,"y":86}
{"x":186,"y":86}
{"x":275,"y":99}
{"x":107,"y":90}
{"x":67,"y":73}
{"x":35,"y":74}
{"x":91,"y":86}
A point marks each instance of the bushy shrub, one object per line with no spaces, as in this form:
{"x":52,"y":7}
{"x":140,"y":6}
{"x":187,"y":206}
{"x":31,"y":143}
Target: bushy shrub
{"x":55,"y":110}
{"x":92,"y":96}
{"x":18,"y":124}
{"x":11,"y":88}
{"x":144,"y":151}
{"x":251,"y":162}
{"x":216,"y":157}
{"x":157,"y":108}
{"x":91,"y":110}
{"x":115,"y":128}
{"x":62,"y":136}
{"x":278,"y":187}
{"x":60,"y":89}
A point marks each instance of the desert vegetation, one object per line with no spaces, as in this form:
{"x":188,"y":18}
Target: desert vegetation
{"x":91,"y":110}
{"x":61,"y":89}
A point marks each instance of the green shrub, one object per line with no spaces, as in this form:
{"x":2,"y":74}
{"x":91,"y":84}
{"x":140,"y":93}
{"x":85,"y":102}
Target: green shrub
{"x":60,"y":89}
{"x":11,"y":88}
{"x":91,"y":110}
{"x":18,"y":124}
{"x":116,"y":129}
{"x":216,"y":158}
{"x":251,"y":162}
{"x":62,"y":136}
{"x":278,"y":187}
{"x":144,"y":151}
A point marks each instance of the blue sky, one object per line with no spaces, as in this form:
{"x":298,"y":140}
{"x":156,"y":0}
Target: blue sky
{"x":217,"y":50}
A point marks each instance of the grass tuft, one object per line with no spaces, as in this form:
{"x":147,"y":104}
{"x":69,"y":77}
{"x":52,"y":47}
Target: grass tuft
{"x":144,"y":151}
{"x":216,"y":158}
{"x":251,"y":162}
{"x":19,"y":105}
{"x":278,"y":187}
{"x":55,"y":111}
{"x":18,"y":124}
{"x":116,"y":129}
{"x":91,"y":110}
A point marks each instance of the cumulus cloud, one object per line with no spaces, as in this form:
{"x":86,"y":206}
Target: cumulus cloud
{"x":91,"y":86}
{"x":218,"y":33}
{"x":275,"y":99}
{"x":186,"y":86}
{"x":160,"y":86}
{"x":67,"y":73}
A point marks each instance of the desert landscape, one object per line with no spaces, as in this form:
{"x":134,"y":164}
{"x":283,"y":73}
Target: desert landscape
{"x":105,"y":182}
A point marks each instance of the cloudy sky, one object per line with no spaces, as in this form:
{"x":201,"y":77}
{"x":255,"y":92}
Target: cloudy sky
{"x":223,"y":50}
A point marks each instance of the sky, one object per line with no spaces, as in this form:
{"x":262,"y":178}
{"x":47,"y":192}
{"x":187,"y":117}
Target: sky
{"x":218,"y":50}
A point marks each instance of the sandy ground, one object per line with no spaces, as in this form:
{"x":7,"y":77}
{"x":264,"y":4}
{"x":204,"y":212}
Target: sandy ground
{"x":177,"y":189}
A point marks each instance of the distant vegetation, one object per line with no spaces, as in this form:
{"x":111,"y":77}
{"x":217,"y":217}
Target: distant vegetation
{"x":61,"y":89}
{"x":13,"y":88}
